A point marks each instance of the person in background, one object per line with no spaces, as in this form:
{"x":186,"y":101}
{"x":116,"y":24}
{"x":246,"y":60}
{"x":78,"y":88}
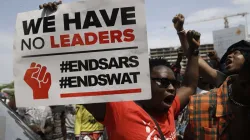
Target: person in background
{"x":213,"y":76}
{"x":177,"y":66}
{"x":86,"y":126}
{"x":224,"y":113}
{"x":57,"y":124}
{"x":36,"y":118}
{"x":70,"y":111}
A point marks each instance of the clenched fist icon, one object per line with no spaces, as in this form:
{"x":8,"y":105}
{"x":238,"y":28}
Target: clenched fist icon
{"x":39,"y":80}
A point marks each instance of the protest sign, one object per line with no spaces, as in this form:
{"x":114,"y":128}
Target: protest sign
{"x":85,"y":52}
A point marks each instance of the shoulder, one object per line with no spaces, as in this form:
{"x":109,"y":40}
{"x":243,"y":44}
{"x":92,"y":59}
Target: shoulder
{"x":203,"y":101}
{"x":115,"y":111}
{"x":120,"y":105}
{"x":221,"y":77}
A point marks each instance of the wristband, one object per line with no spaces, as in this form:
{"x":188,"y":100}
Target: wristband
{"x":196,"y":52}
{"x":181,"y":32}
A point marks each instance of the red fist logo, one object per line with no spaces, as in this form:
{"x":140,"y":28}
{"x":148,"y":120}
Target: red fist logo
{"x":39,"y":80}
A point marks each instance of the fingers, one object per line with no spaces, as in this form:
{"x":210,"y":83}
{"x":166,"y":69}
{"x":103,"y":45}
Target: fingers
{"x":197,"y":43}
{"x":181,"y":16}
{"x":174,"y":20}
{"x":50,"y":5}
{"x":178,"y":17}
{"x":42,"y":73}
{"x":196,"y":35}
{"x":189,"y":36}
{"x":32,"y":65}
{"x":193,"y":38}
{"x":29,"y":73}
{"x":193,"y":34}
{"x":36,"y":74}
{"x":47,"y":78}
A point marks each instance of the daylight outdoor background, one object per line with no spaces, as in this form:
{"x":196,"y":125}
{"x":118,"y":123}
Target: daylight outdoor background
{"x":159,"y":22}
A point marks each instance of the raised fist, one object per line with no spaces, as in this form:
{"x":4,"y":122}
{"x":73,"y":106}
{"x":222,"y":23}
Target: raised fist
{"x":51,"y":5}
{"x":39,"y":80}
{"x":193,"y":39}
{"x":178,"y":21}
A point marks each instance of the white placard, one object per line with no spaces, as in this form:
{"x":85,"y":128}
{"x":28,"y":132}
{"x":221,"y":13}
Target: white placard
{"x":85,"y":52}
{"x":224,"y":38}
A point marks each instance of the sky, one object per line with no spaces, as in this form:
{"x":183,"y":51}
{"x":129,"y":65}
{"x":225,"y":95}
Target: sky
{"x":159,"y":14}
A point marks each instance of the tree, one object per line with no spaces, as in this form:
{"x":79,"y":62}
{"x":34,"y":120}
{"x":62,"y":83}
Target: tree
{"x":8,"y":88}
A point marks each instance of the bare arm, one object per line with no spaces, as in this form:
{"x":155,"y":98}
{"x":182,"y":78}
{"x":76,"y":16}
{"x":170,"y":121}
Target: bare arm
{"x":211,"y":75}
{"x":191,"y":76}
{"x":97,"y":110}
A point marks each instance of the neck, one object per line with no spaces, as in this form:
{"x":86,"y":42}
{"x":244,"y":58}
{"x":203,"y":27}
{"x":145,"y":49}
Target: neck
{"x":150,"y":111}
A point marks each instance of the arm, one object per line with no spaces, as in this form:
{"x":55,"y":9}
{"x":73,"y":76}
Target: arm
{"x":211,"y":75}
{"x":205,"y":70}
{"x":190,"y":81}
{"x":97,"y":110}
{"x":179,"y":58}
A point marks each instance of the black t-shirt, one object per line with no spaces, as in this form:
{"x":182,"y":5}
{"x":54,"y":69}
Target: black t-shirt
{"x":221,"y":77}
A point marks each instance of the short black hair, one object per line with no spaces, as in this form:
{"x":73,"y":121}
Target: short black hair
{"x":153,"y":62}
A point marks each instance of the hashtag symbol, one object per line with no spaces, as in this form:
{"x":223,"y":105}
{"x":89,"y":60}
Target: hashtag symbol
{"x":64,"y":82}
{"x":65,"y":66}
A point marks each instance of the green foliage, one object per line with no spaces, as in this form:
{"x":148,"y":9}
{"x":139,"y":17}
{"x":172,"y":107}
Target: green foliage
{"x":9,"y":89}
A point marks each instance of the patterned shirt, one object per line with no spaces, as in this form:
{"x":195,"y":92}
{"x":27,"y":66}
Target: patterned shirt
{"x":55,"y":123}
{"x":35,"y":115}
{"x":210,"y":114}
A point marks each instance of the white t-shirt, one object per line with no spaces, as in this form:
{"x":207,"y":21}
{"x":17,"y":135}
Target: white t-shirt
{"x":200,"y":91}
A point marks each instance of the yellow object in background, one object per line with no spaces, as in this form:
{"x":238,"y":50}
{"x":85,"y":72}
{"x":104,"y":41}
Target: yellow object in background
{"x":85,"y":122}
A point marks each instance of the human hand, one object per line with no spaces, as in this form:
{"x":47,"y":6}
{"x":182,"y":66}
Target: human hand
{"x":193,"y":38}
{"x":39,"y":80}
{"x":35,"y":128}
{"x":50,"y":5}
{"x":178,"y":21}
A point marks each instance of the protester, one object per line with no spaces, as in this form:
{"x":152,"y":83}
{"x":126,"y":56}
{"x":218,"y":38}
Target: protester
{"x":224,"y":113}
{"x":36,"y":118}
{"x":139,"y":120}
{"x":57,"y":124}
{"x":86,"y":126}
{"x":177,"y":66}
{"x":70,"y":111}
{"x":212,"y":76}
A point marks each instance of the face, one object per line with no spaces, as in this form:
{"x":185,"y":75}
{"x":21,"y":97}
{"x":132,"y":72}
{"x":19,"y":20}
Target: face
{"x":234,"y":61}
{"x":163,"y":89}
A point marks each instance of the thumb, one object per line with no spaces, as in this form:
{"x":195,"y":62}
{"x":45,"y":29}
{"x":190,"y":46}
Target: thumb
{"x":197,"y":43}
{"x":47,"y":78}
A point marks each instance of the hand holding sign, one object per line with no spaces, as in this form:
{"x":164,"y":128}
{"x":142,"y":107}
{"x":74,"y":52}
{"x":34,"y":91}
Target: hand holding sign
{"x":39,"y":80}
{"x":50,"y":5}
